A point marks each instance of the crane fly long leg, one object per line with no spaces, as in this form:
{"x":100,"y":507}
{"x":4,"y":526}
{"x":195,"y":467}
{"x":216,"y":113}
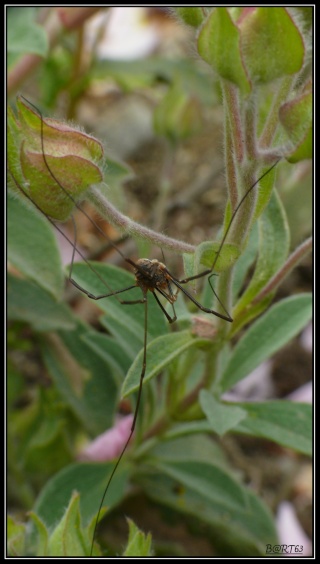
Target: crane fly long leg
{"x":169,"y":318}
{"x":170,"y":297}
{"x":100,"y":297}
{"x":143,"y":371}
{"x":200,"y":306}
{"x":195,"y":277}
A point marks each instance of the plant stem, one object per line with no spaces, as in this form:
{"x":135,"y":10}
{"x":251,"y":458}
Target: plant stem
{"x":232,"y":110}
{"x":130,"y":227}
{"x":250,"y":129}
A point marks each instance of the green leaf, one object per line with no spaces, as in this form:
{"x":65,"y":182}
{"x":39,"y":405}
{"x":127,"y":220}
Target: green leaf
{"x":67,"y":538}
{"x":41,"y":439}
{"x":47,"y":430}
{"x":206,"y":254}
{"x":41,"y":536}
{"x":284,"y":422}
{"x":13,"y":151}
{"x":84,"y":379}
{"x":296,"y":117}
{"x":32,"y":247}
{"x":271,"y":44}
{"x":237,"y":529}
{"x":139,"y":544}
{"x":266,"y":336}
{"x":186,"y":446}
{"x":245,"y":261}
{"x":188,"y":265}
{"x":90,"y":533}
{"x":109,"y":350}
{"x":16,"y":534}
{"x":188,"y":428}
{"x":24,"y":35}
{"x":160,"y":353}
{"x":208,"y":480}
{"x":219,"y":45}
{"x":90,"y":480}
{"x":29,"y":302}
{"x":273,"y":251}
{"x":221,"y":417}
{"x":304,"y":150}
{"x":117,"y":171}
{"x":265,"y":188}
{"x":124,"y":334}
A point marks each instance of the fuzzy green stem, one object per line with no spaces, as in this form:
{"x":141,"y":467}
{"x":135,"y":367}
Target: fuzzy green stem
{"x":233,"y":114}
{"x":125,"y":224}
{"x":231,"y":172}
{"x":250,"y":129}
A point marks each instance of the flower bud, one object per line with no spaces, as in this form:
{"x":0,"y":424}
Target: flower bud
{"x":52,"y":161}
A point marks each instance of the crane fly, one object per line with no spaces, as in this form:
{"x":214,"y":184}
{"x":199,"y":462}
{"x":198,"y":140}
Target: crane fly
{"x":151,"y":277}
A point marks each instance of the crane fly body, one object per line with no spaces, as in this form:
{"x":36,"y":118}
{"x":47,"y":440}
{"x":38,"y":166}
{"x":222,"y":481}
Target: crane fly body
{"x":151,"y":276}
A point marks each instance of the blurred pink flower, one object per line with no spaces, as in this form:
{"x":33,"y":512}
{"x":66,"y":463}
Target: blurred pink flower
{"x":303,"y":394}
{"x":306,"y":338}
{"x":109,"y":444}
{"x":291,"y":532}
